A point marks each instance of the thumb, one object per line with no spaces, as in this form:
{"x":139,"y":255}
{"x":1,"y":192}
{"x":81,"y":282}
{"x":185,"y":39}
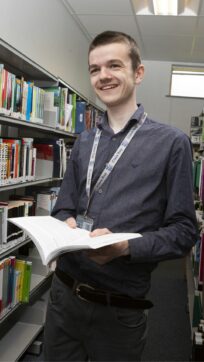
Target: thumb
{"x":71,"y":222}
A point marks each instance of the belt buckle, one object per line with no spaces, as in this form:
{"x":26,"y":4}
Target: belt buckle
{"x":78,"y":290}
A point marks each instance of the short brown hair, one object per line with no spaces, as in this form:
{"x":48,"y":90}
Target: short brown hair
{"x":108,"y":37}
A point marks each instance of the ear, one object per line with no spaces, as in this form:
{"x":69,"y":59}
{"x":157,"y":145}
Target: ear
{"x":139,"y":74}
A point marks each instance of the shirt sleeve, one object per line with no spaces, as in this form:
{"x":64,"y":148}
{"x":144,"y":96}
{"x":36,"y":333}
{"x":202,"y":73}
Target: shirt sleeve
{"x":66,"y":203}
{"x":178,"y":234}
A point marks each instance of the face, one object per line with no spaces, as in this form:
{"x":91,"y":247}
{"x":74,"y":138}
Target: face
{"x":111,"y":74}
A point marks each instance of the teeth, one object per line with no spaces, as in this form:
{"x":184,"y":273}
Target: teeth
{"x":108,"y":87}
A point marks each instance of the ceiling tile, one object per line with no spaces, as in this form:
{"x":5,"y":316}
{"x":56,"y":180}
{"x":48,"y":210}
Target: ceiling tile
{"x":88,"y":7}
{"x":98,"y":23}
{"x":166,"y":25}
{"x":198,"y":51}
{"x":168,"y":48}
{"x":200,"y":27}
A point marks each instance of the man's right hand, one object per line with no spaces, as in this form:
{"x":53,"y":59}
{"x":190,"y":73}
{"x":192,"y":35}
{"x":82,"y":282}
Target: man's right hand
{"x":71,"y":222}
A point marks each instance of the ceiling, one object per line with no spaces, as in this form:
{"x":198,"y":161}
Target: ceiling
{"x":164,"y":38}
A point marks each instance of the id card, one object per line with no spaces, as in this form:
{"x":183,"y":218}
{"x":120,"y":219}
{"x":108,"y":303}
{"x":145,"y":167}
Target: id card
{"x":84,"y":222}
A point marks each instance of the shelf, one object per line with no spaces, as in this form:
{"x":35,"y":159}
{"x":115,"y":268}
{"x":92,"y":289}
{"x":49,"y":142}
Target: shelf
{"x":27,"y":183}
{"x":11,"y":246}
{"x":11,"y":121}
{"x":20,"y":334}
{"x":17,"y":340}
{"x":38,"y":282}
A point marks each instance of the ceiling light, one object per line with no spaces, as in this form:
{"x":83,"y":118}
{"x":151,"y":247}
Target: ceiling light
{"x":165,"y":7}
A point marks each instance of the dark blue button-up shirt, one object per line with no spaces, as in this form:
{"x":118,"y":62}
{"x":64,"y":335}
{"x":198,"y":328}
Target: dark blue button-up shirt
{"x":149,"y":191}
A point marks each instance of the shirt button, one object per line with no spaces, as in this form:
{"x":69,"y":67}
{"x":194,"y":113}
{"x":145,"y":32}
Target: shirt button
{"x":100,"y":191}
{"x":114,"y":139}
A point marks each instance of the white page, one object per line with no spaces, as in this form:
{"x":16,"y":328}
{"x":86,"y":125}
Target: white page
{"x":50,"y":235}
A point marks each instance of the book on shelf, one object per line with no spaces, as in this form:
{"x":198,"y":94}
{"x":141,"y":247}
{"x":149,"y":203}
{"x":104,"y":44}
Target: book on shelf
{"x":201,"y":263}
{"x":17,"y":208}
{"x":21,"y":267}
{"x":3,"y":222}
{"x":37,"y":109}
{"x":49,"y":157}
{"x":3,"y":162}
{"x":51,"y":111}
{"x":11,"y":279}
{"x":27,"y":281}
{"x":45,"y":202}
{"x":30,"y":203}
{"x":6,"y":265}
{"x":15,"y":280}
{"x":53,"y":237}
{"x":88,"y":117}
{"x":13,"y":157}
{"x":72,"y":101}
{"x":17,"y":160}
{"x":80,"y":116}
{"x":1,"y":286}
{"x":1,"y":80}
{"x":16,"y":287}
{"x":13,"y":208}
{"x":197,"y":308}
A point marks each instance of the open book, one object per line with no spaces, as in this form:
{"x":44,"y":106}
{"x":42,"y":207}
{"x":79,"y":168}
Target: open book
{"x":53,"y":237}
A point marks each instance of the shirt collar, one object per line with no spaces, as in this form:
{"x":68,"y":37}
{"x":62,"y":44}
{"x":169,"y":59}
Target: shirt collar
{"x":103,"y":124}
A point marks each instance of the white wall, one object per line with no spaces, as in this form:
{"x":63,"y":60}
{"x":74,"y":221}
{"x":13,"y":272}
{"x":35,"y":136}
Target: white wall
{"x":170,"y":110}
{"x":45,"y":32}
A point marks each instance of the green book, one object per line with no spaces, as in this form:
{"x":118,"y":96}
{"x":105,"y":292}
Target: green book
{"x":27,"y":281}
{"x":197,"y":309}
{"x":74,"y":96}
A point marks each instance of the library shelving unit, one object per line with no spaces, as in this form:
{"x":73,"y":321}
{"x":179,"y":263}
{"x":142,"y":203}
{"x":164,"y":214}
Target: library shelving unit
{"x":21,"y":324}
{"x":195,"y":261}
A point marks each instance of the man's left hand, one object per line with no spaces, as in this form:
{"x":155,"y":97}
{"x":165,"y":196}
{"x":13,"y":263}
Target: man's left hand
{"x":107,"y":253}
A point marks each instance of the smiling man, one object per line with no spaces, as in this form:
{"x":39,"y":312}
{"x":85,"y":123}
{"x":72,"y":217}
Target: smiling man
{"x":129,"y":174}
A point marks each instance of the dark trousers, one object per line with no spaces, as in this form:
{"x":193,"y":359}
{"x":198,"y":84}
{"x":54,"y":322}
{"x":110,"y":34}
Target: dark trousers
{"x":76,"y":330}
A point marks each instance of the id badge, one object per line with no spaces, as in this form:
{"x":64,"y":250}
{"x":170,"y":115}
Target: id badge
{"x":84,"y":222}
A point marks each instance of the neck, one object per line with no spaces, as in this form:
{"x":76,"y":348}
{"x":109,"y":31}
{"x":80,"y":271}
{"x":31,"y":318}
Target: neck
{"x":117,"y":119}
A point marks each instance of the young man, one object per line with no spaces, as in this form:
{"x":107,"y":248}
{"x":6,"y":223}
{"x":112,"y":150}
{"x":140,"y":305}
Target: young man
{"x":130,"y":174}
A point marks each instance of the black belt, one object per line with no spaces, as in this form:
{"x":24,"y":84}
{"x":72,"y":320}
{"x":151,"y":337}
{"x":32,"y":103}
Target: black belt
{"x":90,"y":294}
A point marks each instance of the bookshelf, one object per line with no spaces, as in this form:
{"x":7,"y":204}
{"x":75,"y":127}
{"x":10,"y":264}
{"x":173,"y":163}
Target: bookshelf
{"x":195,"y":262}
{"x":22,"y":322}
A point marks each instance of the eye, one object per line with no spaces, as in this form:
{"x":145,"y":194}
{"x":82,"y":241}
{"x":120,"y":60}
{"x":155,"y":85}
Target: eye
{"x":93,"y":71}
{"x":114,"y":66}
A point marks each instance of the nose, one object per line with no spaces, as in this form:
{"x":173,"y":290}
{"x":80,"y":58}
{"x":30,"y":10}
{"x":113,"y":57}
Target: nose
{"x":105,"y":73}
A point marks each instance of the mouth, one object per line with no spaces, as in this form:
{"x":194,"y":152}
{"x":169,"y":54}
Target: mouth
{"x":108,"y":87}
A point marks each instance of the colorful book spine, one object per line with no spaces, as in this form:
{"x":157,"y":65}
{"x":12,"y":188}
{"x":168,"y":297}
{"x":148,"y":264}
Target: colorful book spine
{"x":80,"y":116}
{"x":11,"y":279}
{"x":1,"y":286}
{"x":20,"y":266}
{"x":26,"y":282}
{"x":5,"y":301}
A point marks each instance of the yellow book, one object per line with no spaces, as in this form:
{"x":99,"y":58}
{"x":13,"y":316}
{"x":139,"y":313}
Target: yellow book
{"x":20,"y":266}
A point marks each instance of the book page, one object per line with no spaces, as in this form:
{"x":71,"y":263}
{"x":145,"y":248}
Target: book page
{"x":52,"y":236}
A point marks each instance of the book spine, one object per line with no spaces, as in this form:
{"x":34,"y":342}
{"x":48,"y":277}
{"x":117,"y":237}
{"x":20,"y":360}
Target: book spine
{"x":27,"y":282}
{"x":20,"y":266}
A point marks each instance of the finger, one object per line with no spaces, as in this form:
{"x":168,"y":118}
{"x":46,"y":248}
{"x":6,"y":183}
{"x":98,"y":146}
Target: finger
{"x":71,"y":222}
{"x":99,"y":232}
